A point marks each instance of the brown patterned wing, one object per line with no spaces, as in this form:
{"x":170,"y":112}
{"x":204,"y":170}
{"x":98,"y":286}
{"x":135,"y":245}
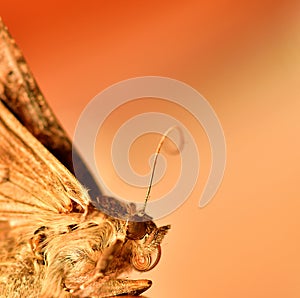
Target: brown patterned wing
{"x":21,"y":94}
{"x":32,"y":181}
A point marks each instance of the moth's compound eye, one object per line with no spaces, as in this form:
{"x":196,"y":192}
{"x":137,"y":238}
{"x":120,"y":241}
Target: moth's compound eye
{"x":136,"y":230}
{"x":146,"y":261}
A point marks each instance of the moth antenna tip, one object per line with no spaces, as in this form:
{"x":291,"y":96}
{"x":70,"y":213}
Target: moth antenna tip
{"x":157,"y":151}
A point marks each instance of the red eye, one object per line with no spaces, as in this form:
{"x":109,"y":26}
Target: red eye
{"x":146,"y":261}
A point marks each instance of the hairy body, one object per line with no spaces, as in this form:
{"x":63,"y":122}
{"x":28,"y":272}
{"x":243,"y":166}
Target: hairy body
{"x":55,"y":257}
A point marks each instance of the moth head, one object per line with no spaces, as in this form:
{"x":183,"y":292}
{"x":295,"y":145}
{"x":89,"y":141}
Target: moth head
{"x":146,"y":239}
{"x":138,"y":226}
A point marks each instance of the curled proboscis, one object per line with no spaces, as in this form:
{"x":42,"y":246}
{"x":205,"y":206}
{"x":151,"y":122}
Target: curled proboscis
{"x":146,"y":261}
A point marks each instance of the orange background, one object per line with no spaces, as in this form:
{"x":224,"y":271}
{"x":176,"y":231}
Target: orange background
{"x":244,"y":57}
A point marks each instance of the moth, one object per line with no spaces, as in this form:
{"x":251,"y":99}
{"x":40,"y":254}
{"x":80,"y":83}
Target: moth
{"x":54,"y":241}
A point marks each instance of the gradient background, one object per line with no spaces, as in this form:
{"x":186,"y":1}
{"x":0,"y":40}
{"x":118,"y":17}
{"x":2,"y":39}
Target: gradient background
{"x":244,"y":57}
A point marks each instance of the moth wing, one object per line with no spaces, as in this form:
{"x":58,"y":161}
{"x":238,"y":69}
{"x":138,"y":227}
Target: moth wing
{"x":21,"y":94}
{"x":32,"y":181}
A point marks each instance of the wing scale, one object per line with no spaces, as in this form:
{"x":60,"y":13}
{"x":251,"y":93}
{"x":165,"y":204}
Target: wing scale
{"x":32,"y":180}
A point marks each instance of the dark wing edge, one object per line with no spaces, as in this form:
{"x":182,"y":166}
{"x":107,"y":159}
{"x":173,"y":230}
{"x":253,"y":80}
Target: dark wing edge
{"x":21,"y":94}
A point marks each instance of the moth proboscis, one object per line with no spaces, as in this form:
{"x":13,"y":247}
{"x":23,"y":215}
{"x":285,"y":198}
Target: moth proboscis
{"x":55,"y":242}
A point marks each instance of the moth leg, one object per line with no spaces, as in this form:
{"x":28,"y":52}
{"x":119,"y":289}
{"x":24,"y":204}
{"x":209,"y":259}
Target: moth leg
{"x":101,"y":267}
{"x":114,"y":287}
{"x":117,"y":287}
{"x":104,"y":284}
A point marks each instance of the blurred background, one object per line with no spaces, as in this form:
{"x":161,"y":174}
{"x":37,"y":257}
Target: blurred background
{"x":244,"y":58}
